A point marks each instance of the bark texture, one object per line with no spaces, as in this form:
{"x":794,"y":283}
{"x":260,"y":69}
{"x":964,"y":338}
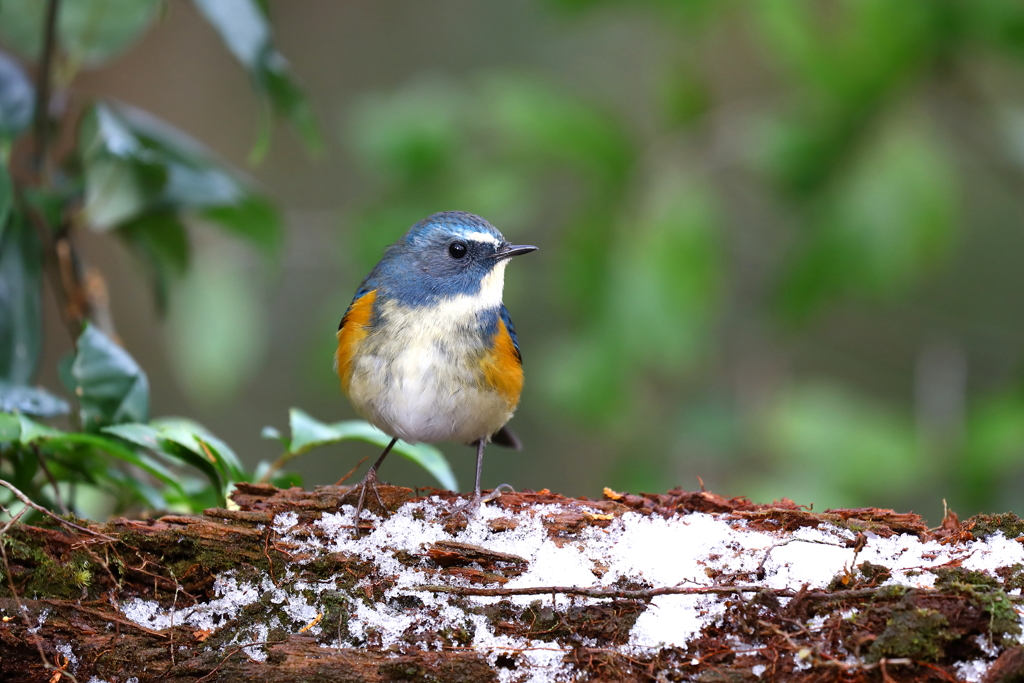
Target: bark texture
{"x":71,"y":601}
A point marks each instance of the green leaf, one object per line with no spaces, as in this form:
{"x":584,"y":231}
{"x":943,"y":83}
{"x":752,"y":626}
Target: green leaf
{"x":22,"y":26}
{"x":201,"y":441}
{"x":153,"y":438}
{"x":90,"y":32}
{"x":118,"y":190}
{"x":94,"y":31}
{"x":10,"y":427}
{"x":17,"y":99}
{"x":308,"y":433}
{"x":253,"y":218}
{"x":186,"y":441}
{"x":110,"y":386}
{"x":245,"y":29}
{"x":31,"y":431}
{"x":17,"y":398}
{"x":116,"y":450}
{"x":136,"y":165}
{"x":274,"y":434}
{"x":161,"y":241}
{"x":21,"y":333}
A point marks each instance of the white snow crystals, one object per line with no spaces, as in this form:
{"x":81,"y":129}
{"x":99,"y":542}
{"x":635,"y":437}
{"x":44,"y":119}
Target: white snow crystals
{"x":685,"y":550}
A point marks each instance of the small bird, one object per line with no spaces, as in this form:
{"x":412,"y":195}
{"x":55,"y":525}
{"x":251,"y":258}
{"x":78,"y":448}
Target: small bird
{"x":426,"y":350}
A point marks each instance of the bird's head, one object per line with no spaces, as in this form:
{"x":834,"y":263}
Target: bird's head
{"x":445,"y":255}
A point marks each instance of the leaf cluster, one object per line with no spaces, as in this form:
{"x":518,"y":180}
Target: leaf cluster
{"x":134,"y":177}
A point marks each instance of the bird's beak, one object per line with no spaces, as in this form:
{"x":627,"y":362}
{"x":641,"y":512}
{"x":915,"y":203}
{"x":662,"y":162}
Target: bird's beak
{"x":510,"y":250}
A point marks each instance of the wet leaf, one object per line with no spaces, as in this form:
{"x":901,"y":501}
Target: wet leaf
{"x":137,"y":166}
{"x":245,"y":29}
{"x":186,"y":442}
{"x":308,"y":433}
{"x":161,"y":241}
{"x":18,"y":398}
{"x":89,"y":32}
{"x":20,"y":301}
{"x":110,"y":386}
{"x":16,"y":99}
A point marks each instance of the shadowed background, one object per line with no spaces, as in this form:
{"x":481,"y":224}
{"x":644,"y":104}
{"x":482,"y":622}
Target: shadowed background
{"x":780,"y":242}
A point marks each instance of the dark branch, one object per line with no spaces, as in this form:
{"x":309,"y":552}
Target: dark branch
{"x":41,"y":122}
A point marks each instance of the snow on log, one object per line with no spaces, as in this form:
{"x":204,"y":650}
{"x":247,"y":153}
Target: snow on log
{"x":683,"y":586}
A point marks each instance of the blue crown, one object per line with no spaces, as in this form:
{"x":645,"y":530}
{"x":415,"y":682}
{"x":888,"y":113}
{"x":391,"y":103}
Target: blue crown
{"x":448,"y":224}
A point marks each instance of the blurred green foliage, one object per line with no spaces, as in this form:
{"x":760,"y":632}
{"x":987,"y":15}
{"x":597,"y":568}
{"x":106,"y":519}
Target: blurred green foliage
{"x":130,"y":175}
{"x":699,"y":245}
{"x":855,"y":168}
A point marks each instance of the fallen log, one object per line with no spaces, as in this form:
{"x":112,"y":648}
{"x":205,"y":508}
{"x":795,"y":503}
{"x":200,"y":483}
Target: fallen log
{"x":535,"y":587}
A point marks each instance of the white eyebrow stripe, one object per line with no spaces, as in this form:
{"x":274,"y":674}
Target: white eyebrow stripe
{"x":481,"y":237}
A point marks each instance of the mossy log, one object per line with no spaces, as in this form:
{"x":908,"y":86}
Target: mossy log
{"x":536,"y":587}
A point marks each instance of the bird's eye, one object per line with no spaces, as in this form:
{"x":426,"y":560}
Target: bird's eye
{"x":457,"y":249}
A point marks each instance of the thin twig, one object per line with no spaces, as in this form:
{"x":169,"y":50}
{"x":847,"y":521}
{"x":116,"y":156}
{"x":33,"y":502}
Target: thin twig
{"x":14,"y":519}
{"x":49,"y":477}
{"x":39,"y":508}
{"x":649,"y":593}
{"x":600,"y":592}
{"x":351,"y":472}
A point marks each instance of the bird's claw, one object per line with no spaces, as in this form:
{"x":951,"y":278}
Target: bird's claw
{"x":470,"y":507}
{"x":368,"y":482}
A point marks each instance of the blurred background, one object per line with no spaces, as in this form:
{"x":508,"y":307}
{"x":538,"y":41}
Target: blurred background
{"x":780,"y":243}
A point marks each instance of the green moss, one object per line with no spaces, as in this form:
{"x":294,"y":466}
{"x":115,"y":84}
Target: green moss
{"x":953,"y":577}
{"x":916,"y":633}
{"x":890,"y":593}
{"x":874,"y":573}
{"x":1012,"y":577}
{"x":38,"y":573}
{"x":983,"y":526}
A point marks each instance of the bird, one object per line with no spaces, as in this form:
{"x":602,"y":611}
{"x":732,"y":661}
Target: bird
{"x":427,"y":351}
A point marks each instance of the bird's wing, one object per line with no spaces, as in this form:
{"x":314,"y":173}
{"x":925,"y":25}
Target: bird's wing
{"x":353,"y":328}
{"x":505,"y":436}
{"x":505,"y":318}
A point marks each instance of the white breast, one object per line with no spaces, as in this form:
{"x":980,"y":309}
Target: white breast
{"x":417,"y":375}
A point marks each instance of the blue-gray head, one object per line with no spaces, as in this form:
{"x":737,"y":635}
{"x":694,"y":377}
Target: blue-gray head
{"x":444,"y":255}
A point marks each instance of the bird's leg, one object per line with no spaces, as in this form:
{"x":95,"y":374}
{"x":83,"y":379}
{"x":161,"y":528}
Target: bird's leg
{"x":479,"y":468}
{"x":470,"y":507}
{"x":370,"y":481}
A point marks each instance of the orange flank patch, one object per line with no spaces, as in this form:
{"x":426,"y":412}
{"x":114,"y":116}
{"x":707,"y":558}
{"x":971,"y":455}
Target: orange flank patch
{"x":354,"y":327}
{"x":503,"y":371}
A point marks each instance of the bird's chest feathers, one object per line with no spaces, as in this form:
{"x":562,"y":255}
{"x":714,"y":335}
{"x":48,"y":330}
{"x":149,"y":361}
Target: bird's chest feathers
{"x":422,"y":372}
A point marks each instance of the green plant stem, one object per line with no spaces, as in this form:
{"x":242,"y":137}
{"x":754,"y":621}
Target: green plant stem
{"x":277,"y":465}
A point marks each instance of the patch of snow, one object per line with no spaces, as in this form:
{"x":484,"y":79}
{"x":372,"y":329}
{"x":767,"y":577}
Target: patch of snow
{"x":65,"y":650}
{"x":40,"y":620}
{"x":973,"y":671}
{"x":285,"y":521}
{"x":680,"y":551}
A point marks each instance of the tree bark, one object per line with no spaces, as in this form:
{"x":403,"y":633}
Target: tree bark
{"x":277,"y":590}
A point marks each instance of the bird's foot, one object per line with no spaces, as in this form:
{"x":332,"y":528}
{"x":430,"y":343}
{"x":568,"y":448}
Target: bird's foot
{"x":468,"y":508}
{"x":368,"y":482}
